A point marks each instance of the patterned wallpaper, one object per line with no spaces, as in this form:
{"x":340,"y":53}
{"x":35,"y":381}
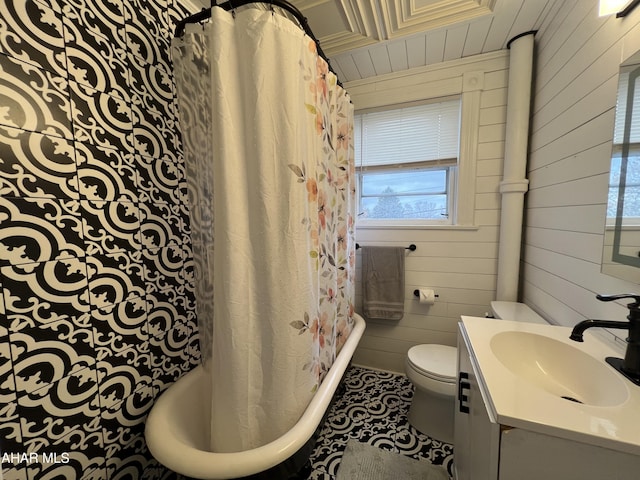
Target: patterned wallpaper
{"x":97,"y":310}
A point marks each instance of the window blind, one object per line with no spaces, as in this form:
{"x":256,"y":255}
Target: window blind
{"x":412,"y":134}
{"x":621,"y":108}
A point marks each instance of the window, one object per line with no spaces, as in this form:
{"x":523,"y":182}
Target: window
{"x":407,"y":163}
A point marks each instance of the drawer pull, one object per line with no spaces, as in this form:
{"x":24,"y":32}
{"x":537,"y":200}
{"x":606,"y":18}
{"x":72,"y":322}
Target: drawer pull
{"x":463,"y":385}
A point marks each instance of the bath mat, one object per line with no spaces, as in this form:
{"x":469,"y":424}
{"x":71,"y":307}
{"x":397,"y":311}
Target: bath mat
{"x":366,"y":462}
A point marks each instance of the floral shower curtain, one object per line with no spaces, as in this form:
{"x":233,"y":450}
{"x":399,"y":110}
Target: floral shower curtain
{"x":267,"y":140}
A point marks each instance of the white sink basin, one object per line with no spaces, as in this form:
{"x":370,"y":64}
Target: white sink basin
{"x":558,"y":368}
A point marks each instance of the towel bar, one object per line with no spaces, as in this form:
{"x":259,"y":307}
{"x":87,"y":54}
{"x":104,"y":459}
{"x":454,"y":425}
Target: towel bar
{"x":411,"y":247}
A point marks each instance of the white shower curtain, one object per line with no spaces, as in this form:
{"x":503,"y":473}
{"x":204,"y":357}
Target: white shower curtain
{"x":267,"y":140}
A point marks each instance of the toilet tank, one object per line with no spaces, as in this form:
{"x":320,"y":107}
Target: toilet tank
{"x":515,"y":311}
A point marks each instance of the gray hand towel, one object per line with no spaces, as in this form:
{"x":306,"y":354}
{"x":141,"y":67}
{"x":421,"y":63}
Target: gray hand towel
{"x":383,"y":287}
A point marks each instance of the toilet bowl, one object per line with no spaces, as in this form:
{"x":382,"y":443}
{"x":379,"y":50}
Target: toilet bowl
{"x":431,"y":368}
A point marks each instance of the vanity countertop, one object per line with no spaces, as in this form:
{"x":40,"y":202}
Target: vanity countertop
{"x":515,"y":401}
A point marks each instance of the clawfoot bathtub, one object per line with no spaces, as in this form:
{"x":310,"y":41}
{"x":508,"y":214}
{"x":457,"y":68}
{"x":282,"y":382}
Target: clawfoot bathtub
{"x":175,"y":428}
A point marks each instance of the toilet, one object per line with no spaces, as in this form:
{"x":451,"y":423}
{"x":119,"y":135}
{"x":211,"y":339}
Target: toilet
{"x":432,"y":371}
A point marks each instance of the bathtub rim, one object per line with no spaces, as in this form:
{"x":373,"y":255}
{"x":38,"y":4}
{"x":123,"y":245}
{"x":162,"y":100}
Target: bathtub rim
{"x":187,"y":460}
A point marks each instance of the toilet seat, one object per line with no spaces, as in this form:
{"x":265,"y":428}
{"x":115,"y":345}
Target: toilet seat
{"x":437,"y":362}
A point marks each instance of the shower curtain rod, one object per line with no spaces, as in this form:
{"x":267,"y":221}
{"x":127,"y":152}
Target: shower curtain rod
{"x":205,"y":13}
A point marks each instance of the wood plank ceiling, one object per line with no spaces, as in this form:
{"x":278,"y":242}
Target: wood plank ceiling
{"x":365,"y":38}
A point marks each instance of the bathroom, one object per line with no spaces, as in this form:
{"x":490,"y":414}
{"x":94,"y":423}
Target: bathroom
{"x":110,"y":319}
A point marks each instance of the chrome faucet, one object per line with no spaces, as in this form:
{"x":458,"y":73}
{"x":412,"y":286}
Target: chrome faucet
{"x":630,"y":366}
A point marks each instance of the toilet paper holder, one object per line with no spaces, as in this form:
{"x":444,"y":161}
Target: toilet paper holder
{"x":416,"y":293}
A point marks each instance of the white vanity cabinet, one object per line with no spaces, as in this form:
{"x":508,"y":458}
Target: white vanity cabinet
{"x":476,"y":433}
{"x":485,"y":449}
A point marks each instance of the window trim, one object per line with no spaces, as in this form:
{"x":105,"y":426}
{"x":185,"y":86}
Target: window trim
{"x":473,"y":83}
{"x":468,"y":86}
{"x":453,"y":181}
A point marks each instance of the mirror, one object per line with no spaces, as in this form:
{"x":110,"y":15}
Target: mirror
{"x":621,"y":252}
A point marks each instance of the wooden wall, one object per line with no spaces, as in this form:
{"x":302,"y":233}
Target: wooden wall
{"x":575,"y":76}
{"x":577,"y":60}
{"x":458,"y":262}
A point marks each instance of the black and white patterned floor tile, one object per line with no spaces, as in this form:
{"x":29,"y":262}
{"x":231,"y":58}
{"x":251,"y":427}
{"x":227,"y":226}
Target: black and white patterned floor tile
{"x":372,"y":408}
